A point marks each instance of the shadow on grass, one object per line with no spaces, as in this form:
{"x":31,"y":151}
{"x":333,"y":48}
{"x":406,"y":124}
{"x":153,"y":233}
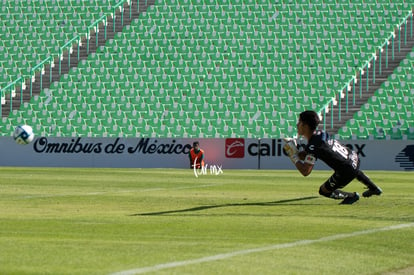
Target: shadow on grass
{"x":205,"y":207}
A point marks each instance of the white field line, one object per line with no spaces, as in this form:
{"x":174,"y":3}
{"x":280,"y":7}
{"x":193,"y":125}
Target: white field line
{"x":223,"y":256}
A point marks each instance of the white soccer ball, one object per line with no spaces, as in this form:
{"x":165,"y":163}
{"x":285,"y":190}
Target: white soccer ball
{"x":23,"y":134}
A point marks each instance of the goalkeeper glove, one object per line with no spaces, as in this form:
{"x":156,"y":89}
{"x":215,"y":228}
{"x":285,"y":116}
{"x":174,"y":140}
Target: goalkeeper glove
{"x":291,"y":150}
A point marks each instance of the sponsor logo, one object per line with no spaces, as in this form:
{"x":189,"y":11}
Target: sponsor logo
{"x":234,"y":147}
{"x":146,"y":147}
{"x":78,"y":146}
{"x":271,"y":149}
{"x":357,"y":148}
{"x":75,"y":146}
{"x":406,"y":158}
{"x":237,"y":148}
{"x":214,"y":169}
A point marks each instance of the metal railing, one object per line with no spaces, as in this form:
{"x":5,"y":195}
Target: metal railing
{"x":364,"y":69}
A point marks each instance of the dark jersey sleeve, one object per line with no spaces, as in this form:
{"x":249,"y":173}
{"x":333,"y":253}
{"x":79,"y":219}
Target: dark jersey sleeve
{"x":332,"y":152}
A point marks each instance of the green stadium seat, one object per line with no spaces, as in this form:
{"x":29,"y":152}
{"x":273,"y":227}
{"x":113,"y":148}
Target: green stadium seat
{"x":171,"y":48}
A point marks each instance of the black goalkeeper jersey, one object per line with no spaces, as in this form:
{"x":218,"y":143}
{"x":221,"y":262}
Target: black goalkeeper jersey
{"x":330,"y":151}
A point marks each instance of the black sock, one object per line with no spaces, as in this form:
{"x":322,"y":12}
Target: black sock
{"x":366,"y":181}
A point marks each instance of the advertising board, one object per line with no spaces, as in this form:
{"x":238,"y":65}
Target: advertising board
{"x":228,"y":153}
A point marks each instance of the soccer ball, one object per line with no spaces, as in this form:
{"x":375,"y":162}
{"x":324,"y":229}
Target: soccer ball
{"x":23,"y":134}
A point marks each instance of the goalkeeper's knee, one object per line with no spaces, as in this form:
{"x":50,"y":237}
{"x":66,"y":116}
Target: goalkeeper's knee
{"x":324,"y":192}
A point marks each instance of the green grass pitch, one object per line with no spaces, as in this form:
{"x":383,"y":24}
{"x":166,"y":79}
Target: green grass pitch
{"x":134,"y":221}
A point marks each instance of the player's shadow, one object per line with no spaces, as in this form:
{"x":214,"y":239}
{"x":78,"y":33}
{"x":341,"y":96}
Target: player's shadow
{"x":205,"y":207}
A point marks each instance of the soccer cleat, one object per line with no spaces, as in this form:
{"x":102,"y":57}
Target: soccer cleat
{"x":377,"y":191}
{"x":351,"y":200}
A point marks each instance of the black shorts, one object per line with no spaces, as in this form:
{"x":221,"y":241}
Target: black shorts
{"x":342,"y":178}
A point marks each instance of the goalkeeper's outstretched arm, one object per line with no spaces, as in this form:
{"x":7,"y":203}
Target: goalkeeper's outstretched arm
{"x":304,"y":168}
{"x":298,"y":158}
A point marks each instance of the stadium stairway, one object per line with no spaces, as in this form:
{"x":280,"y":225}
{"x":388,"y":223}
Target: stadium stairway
{"x":71,"y":60}
{"x":338,"y":115}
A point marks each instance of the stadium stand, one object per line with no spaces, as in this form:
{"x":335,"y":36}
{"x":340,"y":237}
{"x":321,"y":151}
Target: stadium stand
{"x":189,"y":68}
{"x":32,"y":30}
{"x":55,"y":28}
{"x":388,"y":114}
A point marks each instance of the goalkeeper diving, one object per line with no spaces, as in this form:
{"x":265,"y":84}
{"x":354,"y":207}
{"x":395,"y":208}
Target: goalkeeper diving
{"x":340,"y":158}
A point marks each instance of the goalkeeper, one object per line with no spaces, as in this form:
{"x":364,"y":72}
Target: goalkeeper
{"x":341,"y":159}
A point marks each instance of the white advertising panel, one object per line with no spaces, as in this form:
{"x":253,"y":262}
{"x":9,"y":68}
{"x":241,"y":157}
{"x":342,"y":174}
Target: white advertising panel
{"x":229,"y":153}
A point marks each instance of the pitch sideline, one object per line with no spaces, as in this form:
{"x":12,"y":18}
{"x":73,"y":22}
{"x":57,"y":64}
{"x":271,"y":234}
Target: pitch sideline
{"x":217,"y":257}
